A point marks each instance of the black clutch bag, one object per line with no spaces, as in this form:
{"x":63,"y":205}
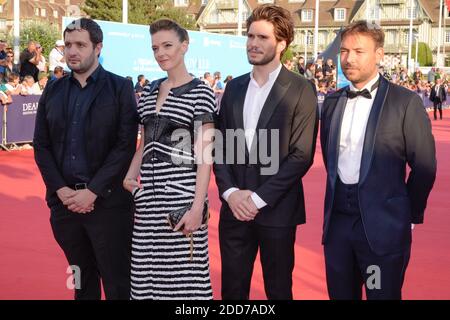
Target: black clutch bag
{"x":175,"y":216}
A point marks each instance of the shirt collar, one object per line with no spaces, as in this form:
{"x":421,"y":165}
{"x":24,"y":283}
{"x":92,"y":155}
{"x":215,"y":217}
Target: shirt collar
{"x":92,"y":78}
{"x":368,"y":86}
{"x":272,"y":76}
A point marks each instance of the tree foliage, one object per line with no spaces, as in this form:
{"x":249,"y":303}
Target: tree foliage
{"x":139,"y":11}
{"x":41,"y":31}
{"x":288,"y":54}
{"x":425,"y":56}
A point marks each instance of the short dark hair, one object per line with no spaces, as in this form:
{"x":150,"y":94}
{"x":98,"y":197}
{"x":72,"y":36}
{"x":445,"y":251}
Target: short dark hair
{"x":13,"y":76}
{"x":169,"y":25}
{"x":280,"y":18}
{"x":58,"y":69}
{"x":367,"y":28}
{"x":140,"y":77}
{"x":89,"y":25}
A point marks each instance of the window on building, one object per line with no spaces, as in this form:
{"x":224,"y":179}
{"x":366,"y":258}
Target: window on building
{"x":374,"y":13}
{"x":405,"y":37}
{"x":214,"y":17}
{"x":307,"y":15}
{"x":181,"y":3}
{"x":36,"y":11}
{"x":309,"y":39}
{"x":323,"y":37}
{"x":204,"y":2}
{"x":265,"y":1}
{"x":412,"y":11}
{"x":391,"y":37}
{"x":43,"y":12}
{"x":339,"y":14}
{"x":55,"y":13}
{"x":447,"y":36}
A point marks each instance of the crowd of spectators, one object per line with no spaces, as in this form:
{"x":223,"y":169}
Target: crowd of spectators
{"x":31,"y":74}
{"x":324,"y":75}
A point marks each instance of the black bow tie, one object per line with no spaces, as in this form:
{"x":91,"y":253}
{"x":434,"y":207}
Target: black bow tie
{"x":363,"y":93}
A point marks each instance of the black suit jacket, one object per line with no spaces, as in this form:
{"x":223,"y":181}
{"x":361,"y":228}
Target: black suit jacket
{"x":110,"y":132}
{"x":398,"y":133}
{"x":440,"y":96}
{"x":291,"y":108}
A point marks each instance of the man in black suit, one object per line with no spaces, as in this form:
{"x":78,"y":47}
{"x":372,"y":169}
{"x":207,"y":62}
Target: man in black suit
{"x":262,"y":200}
{"x":84,"y":140}
{"x":438,"y":96}
{"x":369,"y":132}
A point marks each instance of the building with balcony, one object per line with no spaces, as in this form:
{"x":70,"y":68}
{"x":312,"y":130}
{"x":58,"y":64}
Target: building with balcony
{"x":393,"y":15}
{"x":51,"y":11}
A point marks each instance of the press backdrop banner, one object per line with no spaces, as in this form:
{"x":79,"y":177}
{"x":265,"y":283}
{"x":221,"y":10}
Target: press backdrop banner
{"x":127,"y":52}
{"x":21,"y":117}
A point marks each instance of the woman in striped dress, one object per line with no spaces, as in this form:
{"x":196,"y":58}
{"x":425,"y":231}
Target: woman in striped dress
{"x":174,"y":173}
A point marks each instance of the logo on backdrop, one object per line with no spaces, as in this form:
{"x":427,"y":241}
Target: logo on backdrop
{"x":29,"y":108}
{"x":207,"y":42}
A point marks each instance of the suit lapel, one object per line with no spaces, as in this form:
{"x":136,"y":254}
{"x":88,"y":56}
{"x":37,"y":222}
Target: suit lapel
{"x":238,"y":106}
{"x":278,"y":91}
{"x":276,"y":94}
{"x":334,"y":135}
{"x":371,"y":130}
{"x":97,"y":88}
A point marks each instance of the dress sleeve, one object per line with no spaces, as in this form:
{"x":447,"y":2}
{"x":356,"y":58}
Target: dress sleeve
{"x":205,"y":110}
{"x":141,"y":104}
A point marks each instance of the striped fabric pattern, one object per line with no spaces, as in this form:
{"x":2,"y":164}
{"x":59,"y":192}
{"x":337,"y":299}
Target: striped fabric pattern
{"x":161,"y":266}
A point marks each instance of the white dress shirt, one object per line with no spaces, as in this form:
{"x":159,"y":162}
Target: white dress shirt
{"x":55,"y":59}
{"x":42,"y":65}
{"x":437,"y":91}
{"x":255,"y":99}
{"x":353,"y":130}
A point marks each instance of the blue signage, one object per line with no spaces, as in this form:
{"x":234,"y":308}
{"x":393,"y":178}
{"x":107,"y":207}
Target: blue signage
{"x":127,"y":52}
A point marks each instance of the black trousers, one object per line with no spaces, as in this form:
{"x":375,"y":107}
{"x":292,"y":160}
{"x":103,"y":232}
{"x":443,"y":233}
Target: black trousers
{"x":349,"y":260}
{"x":437,"y":106}
{"x":239,"y":243}
{"x":99,"y":244}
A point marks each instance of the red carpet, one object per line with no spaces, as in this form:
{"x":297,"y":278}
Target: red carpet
{"x":32,"y":266}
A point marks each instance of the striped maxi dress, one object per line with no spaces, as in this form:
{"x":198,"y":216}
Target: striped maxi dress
{"x":161,"y":263}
